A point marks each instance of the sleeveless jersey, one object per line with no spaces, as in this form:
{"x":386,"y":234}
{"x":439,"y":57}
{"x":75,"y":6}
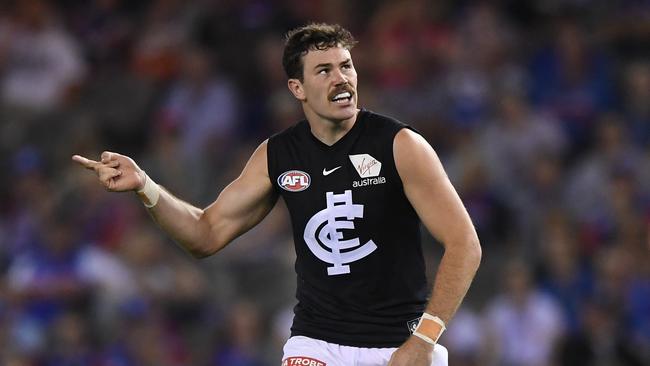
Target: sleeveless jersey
{"x":360,"y":269}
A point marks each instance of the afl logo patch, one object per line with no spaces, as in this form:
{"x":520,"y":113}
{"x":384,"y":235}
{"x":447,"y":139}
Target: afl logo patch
{"x":294,"y":181}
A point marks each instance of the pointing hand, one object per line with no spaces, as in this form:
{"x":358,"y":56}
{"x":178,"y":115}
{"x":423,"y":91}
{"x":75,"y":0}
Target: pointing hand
{"x":118,"y":173}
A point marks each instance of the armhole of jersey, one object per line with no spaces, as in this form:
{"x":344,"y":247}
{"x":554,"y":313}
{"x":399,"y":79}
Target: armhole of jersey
{"x":403,"y":126}
{"x":270,"y":161}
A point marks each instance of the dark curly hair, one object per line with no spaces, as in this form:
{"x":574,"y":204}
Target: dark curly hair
{"x":313,"y":36}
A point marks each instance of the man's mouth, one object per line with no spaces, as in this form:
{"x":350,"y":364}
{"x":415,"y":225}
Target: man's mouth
{"x":342,"y":97}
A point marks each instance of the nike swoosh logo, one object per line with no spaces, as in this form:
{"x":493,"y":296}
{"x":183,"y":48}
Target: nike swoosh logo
{"x":328,"y":172}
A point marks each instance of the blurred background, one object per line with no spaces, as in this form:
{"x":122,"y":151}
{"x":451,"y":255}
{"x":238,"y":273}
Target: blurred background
{"x":539,"y":110}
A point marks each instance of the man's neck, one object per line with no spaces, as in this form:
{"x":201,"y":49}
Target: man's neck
{"x":329,"y":131}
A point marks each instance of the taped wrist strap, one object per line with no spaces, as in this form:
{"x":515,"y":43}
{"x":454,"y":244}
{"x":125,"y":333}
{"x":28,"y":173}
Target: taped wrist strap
{"x":150,"y":193}
{"x":430,"y":328}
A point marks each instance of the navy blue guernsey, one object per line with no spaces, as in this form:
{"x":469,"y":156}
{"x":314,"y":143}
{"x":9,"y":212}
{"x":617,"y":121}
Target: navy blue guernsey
{"x":360,"y":269}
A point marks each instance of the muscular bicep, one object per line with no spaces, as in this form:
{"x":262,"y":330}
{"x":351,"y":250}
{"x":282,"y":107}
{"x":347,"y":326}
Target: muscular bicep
{"x":429,"y":190}
{"x":243,"y":203}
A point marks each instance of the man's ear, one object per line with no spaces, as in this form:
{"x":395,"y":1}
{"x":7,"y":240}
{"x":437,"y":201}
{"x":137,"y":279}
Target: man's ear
{"x":295,"y":86}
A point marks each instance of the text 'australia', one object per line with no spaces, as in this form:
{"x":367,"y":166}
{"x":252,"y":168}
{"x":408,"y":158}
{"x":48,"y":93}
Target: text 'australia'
{"x":368,"y":182}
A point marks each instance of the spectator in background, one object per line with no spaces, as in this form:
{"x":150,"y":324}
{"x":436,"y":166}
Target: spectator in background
{"x":45,"y":282}
{"x":395,"y":29}
{"x":511,"y":147}
{"x":148,"y":341}
{"x":564,"y":275}
{"x":71,"y":341}
{"x":407,"y":86}
{"x":589,"y":186}
{"x":522,"y":324}
{"x":514,"y":140}
{"x":636,"y":94}
{"x":201,"y":107}
{"x":464,"y":338}
{"x":599,"y":343}
{"x":572,"y":79}
{"x":13,"y":359}
{"x":620,"y":288}
{"x":241,"y":341}
{"x":158,"y":48}
{"x":490,"y":213}
{"x":542,"y":198}
{"x":40,"y":63}
{"x":614,"y":268}
{"x":30,"y":205}
{"x":638,"y":301}
{"x":106,"y":29}
{"x":479,"y":62}
{"x":269,"y":108}
{"x":195,"y":124}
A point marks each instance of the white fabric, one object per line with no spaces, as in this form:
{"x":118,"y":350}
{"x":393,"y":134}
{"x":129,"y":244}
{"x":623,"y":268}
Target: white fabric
{"x":313,"y":352}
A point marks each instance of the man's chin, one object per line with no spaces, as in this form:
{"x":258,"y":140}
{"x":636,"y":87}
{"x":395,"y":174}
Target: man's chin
{"x":345,"y":113}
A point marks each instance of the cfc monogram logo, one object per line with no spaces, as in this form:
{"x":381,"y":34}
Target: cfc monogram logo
{"x":337,"y":216}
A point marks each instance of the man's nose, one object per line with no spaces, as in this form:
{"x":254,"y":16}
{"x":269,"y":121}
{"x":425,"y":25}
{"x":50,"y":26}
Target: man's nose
{"x":340,"y":78}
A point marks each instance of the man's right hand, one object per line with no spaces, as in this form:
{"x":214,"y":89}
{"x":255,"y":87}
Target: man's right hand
{"x":118,"y":173}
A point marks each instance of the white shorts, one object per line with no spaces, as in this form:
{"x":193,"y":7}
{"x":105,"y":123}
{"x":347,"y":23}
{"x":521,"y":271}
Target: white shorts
{"x":305,"y":351}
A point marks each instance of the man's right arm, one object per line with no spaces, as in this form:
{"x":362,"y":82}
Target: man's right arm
{"x":202,"y":232}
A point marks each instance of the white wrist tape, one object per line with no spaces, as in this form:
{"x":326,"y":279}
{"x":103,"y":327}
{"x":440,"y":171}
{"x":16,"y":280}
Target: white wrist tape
{"x":150,"y":193}
{"x":429,"y":328}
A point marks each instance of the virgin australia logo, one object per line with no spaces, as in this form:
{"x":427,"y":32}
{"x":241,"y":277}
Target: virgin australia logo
{"x":366,"y":165}
{"x":368,"y":169}
{"x":337,"y":216}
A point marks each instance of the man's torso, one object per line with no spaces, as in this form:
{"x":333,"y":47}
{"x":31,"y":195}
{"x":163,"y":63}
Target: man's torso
{"x":361,"y":279}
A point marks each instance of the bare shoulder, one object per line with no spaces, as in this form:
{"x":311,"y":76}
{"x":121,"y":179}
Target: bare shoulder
{"x":413,"y":154}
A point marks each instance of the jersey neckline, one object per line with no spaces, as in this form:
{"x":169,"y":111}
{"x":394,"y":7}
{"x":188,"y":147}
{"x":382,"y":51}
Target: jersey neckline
{"x":361,"y":116}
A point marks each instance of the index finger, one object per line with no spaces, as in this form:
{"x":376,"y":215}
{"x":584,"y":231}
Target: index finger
{"x":87,"y":163}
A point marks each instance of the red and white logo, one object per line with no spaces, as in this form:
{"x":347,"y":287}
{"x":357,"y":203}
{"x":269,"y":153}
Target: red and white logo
{"x":294,"y":181}
{"x":302,"y":361}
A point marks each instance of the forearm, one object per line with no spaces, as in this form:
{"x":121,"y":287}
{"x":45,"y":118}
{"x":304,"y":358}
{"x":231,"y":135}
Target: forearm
{"x":181,"y":221}
{"x":455,"y":274}
{"x":202,"y":232}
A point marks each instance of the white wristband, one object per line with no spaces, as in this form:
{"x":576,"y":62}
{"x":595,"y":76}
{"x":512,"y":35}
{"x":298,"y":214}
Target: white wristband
{"x":150,"y":193}
{"x":431,"y":330}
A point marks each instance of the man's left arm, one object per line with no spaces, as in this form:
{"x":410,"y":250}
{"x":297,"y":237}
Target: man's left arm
{"x":439,"y":207}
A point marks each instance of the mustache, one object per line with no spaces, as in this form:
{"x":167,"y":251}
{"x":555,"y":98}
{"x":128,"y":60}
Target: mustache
{"x":342,"y":89}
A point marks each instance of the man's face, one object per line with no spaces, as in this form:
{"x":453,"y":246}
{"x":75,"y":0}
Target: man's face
{"x":329,"y":86}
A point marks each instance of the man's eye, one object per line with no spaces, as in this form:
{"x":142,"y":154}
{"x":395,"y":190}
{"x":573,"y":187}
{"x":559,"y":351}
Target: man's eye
{"x":323,"y":71}
{"x":347,"y":66}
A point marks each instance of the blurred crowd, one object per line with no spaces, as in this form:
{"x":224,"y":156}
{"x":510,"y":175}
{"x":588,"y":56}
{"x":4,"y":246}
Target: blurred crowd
{"x":539,"y":110}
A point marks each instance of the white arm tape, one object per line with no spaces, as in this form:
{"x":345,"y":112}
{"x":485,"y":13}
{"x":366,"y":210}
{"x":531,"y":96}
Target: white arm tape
{"x":151,"y":191}
{"x":425,"y":338}
{"x":430,"y":338}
